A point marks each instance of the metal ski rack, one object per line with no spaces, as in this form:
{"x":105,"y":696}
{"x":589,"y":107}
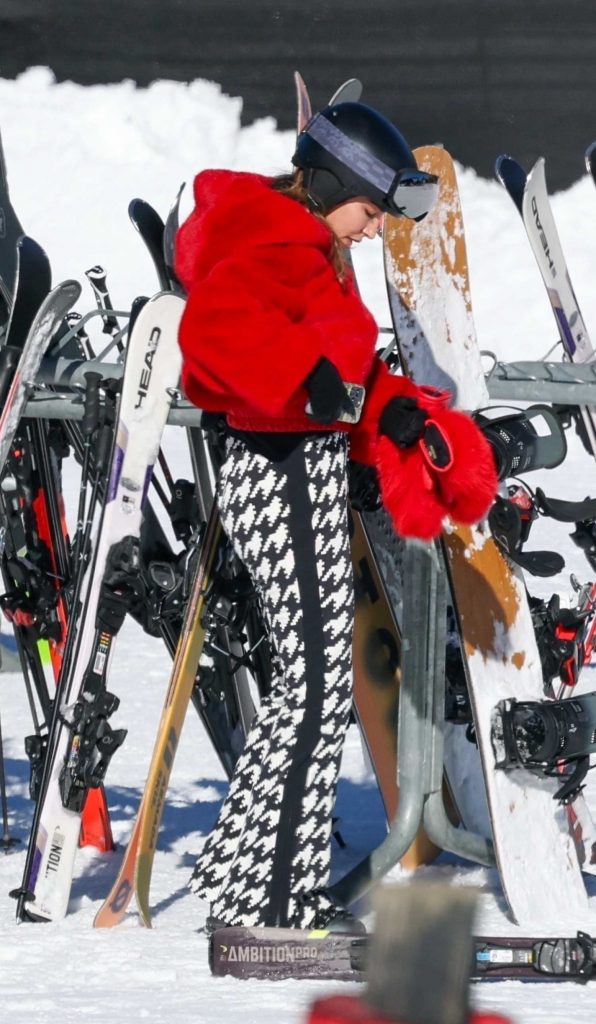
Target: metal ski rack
{"x":421,"y":731}
{"x":57,"y":395}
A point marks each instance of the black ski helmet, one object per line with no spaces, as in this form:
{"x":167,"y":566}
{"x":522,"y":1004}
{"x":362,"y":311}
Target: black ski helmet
{"x":349,"y":150}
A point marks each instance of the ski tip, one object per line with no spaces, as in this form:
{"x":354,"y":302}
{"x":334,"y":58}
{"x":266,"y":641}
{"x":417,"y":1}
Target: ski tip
{"x":349,"y":92}
{"x":303,"y":104}
{"x":512,"y":177}
{"x":590,"y":159}
{"x":506,"y":165}
{"x":138,"y":208}
{"x":133,"y":206}
{"x":25,"y":242}
{"x":501,"y":163}
{"x":539,"y":169}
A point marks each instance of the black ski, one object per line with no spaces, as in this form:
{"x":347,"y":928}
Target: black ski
{"x":32,"y":283}
{"x":169,"y":237}
{"x":590,"y":157}
{"x":275,"y":954}
{"x":10,"y":232}
{"x":151,"y":229}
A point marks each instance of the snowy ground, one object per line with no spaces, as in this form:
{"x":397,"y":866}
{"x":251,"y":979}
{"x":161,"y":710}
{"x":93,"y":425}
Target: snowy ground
{"x":76,"y":156}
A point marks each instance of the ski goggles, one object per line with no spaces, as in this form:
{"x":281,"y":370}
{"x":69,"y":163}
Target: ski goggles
{"x":413,"y":193}
{"x":407,"y":193}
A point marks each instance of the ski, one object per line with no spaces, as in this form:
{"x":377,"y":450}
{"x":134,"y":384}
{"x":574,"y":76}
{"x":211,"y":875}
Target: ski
{"x":303,"y":104}
{"x":430,"y":302}
{"x":32,"y":283}
{"x":81,"y":740}
{"x":276,"y":954}
{"x":590,"y":160}
{"x":42,"y":330}
{"x":137,"y":863}
{"x":169,"y":238}
{"x":530,"y":195}
{"x":151,"y":229}
{"x":10,"y":232}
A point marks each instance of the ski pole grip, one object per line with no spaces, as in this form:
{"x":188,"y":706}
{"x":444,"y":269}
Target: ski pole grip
{"x":97,"y":279}
{"x":91,"y":412}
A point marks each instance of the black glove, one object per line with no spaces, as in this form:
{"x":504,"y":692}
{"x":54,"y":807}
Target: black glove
{"x":402,"y":420}
{"x":327,"y":393}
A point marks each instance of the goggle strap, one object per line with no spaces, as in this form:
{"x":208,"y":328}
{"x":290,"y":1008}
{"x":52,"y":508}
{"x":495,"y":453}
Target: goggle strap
{"x":351,"y":153}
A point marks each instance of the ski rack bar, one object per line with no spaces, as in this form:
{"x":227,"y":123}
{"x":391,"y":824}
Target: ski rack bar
{"x":559,"y":383}
{"x":562,"y":383}
{"x":421,"y":732}
{"x":70,"y":407}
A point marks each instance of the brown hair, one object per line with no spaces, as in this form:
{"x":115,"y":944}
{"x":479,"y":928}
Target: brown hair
{"x":292,"y":186}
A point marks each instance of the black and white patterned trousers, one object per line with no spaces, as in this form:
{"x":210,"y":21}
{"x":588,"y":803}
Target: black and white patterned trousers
{"x":287,"y":520}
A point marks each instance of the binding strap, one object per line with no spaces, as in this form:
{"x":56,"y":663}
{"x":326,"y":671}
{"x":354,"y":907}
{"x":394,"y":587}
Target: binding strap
{"x":565,"y":511}
{"x":505,"y":522}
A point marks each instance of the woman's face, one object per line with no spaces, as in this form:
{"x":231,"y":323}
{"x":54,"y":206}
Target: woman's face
{"x":357,"y":219}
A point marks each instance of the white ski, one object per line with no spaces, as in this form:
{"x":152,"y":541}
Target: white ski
{"x":151,"y":371}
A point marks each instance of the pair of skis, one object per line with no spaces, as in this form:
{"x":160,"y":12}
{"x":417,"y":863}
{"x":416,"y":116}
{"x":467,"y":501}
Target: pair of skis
{"x":36,"y":562}
{"x":530,"y":195}
{"x":81,"y":740}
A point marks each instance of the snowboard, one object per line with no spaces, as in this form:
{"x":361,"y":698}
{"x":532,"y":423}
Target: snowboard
{"x":376,"y":637}
{"x":430,"y":301}
{"x":376,"y":652}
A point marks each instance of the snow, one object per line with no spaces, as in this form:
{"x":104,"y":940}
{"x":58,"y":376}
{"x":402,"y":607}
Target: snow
{"x":76,"y":157}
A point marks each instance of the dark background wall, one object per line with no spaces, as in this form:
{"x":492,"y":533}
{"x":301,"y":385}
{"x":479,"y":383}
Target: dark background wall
{"x":483,"y":76}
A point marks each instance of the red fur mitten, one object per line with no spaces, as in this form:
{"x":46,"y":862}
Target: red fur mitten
{"x":450,"y":471}
{"x":468,"y":487}
{"x":408,"y":490}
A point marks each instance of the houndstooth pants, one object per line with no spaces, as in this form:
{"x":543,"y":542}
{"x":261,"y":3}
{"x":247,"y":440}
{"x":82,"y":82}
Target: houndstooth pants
{"x":287,"y":520}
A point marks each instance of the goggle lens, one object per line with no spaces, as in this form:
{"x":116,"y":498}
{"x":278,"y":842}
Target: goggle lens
{"x":414,"y":193}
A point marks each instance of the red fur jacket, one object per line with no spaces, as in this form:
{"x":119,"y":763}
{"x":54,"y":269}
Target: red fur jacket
{"x":264,"y":304}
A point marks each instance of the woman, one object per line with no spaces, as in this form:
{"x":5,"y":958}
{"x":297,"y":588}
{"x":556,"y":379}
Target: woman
{"x":272,"y":334}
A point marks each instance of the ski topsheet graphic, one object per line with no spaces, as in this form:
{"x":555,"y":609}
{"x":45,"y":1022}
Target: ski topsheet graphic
{"x":275,"y":954}
{"x":81,"y":741}
{"x":429,"y":296}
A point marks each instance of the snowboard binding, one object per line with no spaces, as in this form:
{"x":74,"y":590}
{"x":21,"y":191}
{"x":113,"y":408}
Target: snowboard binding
{"x":549,"y":738}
